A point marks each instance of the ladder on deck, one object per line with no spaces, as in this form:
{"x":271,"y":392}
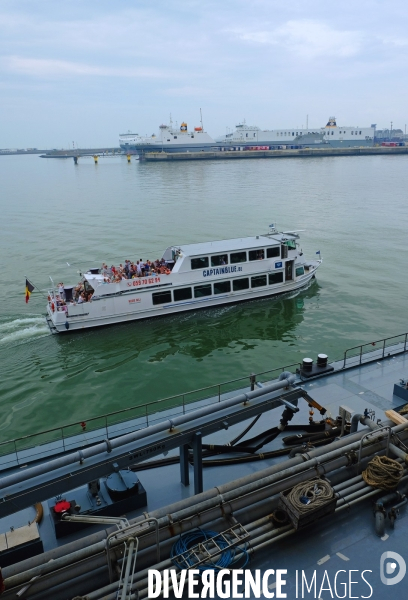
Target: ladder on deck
{"x":128,"y":568}
{"x":208,"y":549}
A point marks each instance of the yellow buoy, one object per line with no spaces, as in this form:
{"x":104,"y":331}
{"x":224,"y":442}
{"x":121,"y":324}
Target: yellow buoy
{"x":96,"y":159}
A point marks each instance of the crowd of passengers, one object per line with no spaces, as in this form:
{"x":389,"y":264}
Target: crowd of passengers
{"x":132,"y":270}
{"x":112,"y":274}
{"x":79,"y":295}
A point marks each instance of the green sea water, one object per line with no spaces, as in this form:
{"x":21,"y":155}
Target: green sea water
{"x":353,"y":209}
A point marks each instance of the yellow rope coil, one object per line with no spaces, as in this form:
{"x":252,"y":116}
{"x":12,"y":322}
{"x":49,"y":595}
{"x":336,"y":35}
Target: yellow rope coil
{"x":383,"y":473}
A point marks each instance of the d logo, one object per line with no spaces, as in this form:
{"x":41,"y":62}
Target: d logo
{"x":389,"y":568}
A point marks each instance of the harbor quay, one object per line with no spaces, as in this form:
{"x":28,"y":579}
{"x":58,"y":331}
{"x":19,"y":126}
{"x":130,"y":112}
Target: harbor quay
{"x":286,"y":153}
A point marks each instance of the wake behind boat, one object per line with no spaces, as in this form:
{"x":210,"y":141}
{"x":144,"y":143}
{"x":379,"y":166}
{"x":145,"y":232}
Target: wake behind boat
{"x":188,"y":277}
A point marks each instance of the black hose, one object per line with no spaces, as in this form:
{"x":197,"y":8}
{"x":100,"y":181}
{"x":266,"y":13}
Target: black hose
{"x":296,"y":439}
{"x":241,"y":435}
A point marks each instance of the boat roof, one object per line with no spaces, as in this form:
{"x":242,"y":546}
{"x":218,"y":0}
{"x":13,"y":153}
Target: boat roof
{"x":256,"y":241}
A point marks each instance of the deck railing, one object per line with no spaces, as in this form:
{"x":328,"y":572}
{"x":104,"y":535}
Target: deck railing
{"x":375,"y":350}
{"x":137,"y":417}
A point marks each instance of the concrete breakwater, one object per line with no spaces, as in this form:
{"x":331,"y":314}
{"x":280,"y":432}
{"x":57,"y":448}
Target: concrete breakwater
{"x":81,"y":152}
{"x":298,"y":153}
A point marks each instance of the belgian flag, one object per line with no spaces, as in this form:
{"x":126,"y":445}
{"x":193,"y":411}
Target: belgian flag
{"x":29,"y":289}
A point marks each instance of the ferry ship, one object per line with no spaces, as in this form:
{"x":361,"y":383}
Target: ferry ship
{"x":169,"y":139}
{"x":331,"y":136}
{"x":247,"y":137}
{"x":193,"y":276}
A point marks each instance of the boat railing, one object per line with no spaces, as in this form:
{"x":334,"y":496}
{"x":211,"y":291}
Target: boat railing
{"x":68,"y":437}
{"x":376,"y":350}
{"x":89,"y":431}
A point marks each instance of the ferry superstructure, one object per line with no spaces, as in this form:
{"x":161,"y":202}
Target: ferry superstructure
{"x":331,"y":136}
{"x":169,"y":139}
{"x":196,"y":276}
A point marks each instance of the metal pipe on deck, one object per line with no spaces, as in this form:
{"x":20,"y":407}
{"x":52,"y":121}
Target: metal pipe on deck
{"x":217,"y":493}
{"x":218,"y":505}
{"x":169,"y":424}
{"x":240,"y":502}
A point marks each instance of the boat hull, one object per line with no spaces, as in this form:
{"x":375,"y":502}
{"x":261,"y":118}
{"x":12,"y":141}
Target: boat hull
{"x":93,"y":317}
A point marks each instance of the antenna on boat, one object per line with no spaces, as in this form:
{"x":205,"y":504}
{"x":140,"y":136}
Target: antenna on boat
{"x":201,"y":119}
{"x":53,"y":286}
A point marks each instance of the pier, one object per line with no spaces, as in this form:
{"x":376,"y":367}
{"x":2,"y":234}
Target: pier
{"x":288,"y":153}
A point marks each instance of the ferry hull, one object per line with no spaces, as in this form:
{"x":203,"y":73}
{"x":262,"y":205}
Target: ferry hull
{"x":222,"y":146}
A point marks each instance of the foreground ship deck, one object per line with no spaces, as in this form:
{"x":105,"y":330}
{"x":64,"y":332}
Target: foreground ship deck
{"x":334,"y":549}
{"x":188,"y":277}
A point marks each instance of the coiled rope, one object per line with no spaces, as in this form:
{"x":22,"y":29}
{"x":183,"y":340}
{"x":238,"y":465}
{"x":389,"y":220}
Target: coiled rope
{"x":225,"y":560}
{"x":383,"y":473}
{"x":310,"y":495}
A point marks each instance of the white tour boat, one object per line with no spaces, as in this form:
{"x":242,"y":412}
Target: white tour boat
{"x":192,"y":276}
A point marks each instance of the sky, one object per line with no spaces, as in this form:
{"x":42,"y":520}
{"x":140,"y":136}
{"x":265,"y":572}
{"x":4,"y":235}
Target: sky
{"x":84,"y":72}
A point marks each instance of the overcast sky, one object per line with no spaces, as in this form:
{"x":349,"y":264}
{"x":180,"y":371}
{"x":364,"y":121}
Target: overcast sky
{"x":87,"y":71}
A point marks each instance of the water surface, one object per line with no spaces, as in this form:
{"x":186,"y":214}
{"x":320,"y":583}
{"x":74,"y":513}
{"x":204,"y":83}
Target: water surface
{"x":53,"y":213}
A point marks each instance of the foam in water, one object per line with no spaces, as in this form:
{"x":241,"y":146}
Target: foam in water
{"x":23,"y":329}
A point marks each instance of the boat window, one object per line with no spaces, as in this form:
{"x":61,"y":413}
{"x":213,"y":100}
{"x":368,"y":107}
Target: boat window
{"x":275,"y":277}
{"x":202,"y":290}
{"x":220,"y":259}
{"x":258,"y":281}
{"x":238,"y":257}
{"x":161,"y":297}
{"x":272,"y":252}
{"x":199,"y":263}
{"x":256,"y":254}
{"x":299,"y":271}
{"x":182,"y":294}
{"x":222,"y":287}
{"x":291,"y":244}
{"x":240,"y":284}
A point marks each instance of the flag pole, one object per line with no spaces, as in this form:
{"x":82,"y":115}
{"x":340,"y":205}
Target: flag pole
{"x":32,"y":283}
{"x":34,"y":286}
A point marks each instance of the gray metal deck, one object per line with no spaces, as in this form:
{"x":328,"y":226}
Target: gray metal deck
{"x":345,"y":545}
